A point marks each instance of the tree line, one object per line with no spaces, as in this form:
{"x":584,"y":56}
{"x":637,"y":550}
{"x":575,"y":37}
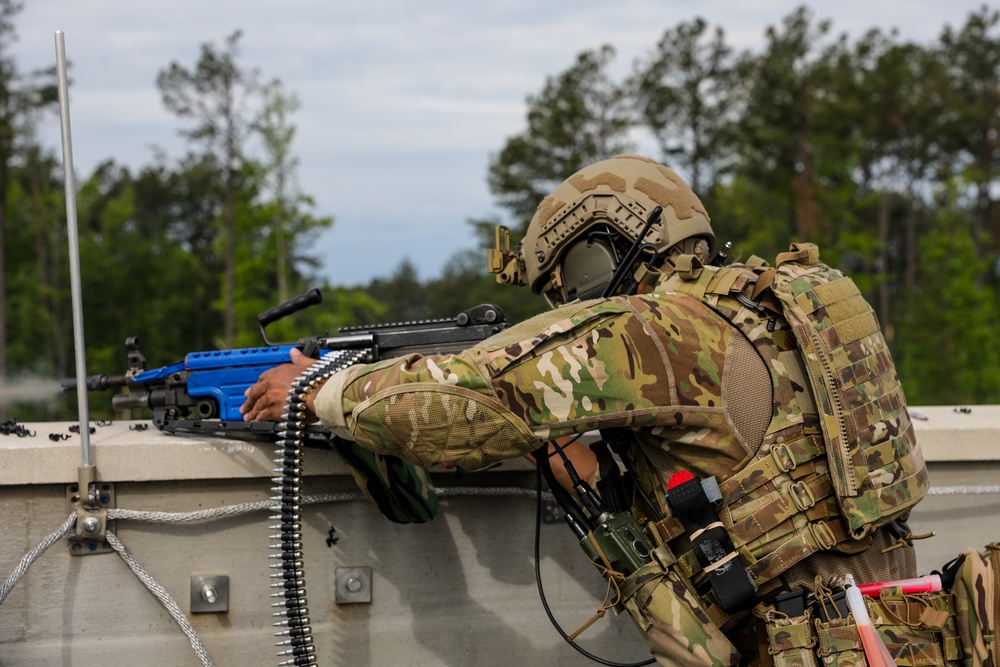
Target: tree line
{"x":884,"y":152}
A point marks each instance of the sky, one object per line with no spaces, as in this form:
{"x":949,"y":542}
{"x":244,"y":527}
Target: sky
{"x":403,"y":101}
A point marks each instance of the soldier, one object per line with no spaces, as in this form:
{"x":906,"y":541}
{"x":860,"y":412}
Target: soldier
{"x":775,"y":382}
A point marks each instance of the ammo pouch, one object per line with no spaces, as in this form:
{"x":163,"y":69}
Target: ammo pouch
{"x":919,"y":631}
{"x":955,"y":628}
{"x":670,"y":617}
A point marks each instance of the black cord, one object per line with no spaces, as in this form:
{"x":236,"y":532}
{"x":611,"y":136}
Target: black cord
{"x":567,"y":464}
{"x":541,"y":590}
{"x":583,"y":525}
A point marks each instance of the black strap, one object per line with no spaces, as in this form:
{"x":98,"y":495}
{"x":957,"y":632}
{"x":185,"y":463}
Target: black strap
{"x":732,"y":586}
{"x":949,"y":572}
{"x":577,"y":521}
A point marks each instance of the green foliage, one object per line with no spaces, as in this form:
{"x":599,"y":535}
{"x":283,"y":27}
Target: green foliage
{"x":466,"y":269}
{"x":685,"y":94}
{"x":22,"y":96}
{"x":34,"y":282}
{"x":949,"y":350}
{"x":224,"y":102}
{"x":463,"y":284}
{"x":745,"y":214}
{"x":402,"y":293}
{"x":156,"y":246}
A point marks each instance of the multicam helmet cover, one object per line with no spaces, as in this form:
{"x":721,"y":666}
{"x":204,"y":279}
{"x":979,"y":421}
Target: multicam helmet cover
{"x":580,"y":232}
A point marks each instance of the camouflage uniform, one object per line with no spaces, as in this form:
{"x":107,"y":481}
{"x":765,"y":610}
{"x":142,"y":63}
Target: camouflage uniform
{"x":707,"y":383}
{"x":655,"y":363}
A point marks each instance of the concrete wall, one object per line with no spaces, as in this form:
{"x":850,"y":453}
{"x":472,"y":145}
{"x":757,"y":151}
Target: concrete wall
{"x":962,"y":449}
{"x":458,"y":591}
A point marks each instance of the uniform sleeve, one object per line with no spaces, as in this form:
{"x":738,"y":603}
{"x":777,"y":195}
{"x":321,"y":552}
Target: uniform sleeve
{"x":424,"y":409}
{"x":579,"y":368}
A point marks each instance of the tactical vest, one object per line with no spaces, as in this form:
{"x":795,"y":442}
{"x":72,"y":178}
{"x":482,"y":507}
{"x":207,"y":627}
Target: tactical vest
{"x":839,"y":457}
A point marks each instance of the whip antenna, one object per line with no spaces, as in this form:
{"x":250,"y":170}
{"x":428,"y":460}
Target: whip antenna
{"x":74,"y":270}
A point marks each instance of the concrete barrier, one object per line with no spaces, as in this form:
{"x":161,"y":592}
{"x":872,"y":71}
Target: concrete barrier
{"x":457,"y":591}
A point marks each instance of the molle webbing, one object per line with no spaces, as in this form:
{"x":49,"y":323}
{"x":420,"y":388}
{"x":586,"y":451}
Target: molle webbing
{"x":698,"y":281}
{"x":780,"y":508}
{"x":797,"y":544}
{"x":783,"y":505}
{"x":779,"y":459}
{"x":877,"y":469}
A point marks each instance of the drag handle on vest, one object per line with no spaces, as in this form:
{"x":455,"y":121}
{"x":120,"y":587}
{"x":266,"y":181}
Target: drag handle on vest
{"x":689,"y":500}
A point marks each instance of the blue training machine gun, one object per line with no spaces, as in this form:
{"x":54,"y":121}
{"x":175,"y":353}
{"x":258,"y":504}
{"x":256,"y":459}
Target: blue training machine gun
{"x":203,"y":393}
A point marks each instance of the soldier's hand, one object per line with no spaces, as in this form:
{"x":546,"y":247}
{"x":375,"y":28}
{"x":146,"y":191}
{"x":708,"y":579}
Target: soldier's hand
{"x":266,"y":400}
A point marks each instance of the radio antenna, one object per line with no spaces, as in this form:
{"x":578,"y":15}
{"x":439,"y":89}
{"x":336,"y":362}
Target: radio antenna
{"x":87,"y":470}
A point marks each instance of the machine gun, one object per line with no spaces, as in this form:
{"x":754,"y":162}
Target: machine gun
{"x":203,"y":393}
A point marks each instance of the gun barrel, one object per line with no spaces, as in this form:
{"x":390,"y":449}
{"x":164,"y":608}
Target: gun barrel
{"x":97,"y":382}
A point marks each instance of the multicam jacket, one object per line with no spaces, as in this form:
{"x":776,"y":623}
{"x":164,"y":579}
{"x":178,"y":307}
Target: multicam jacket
{"x":707,"y":378}
{"x":662,"y":364}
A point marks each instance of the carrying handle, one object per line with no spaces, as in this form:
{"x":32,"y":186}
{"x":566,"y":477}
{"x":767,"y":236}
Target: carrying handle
{"x":301,"y":302}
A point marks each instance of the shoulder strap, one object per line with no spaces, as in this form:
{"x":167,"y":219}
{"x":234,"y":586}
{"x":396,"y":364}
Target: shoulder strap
{"x":800,"y":253}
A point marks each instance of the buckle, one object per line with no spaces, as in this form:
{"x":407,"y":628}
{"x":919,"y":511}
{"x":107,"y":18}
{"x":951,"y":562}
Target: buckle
{"x":823,"y":535}
{"x":748,"y":303}
{"x":802,"y":495}
{"x":783,"y":457}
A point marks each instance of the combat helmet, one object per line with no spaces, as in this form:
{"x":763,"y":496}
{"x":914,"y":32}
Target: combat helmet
{"x":581,"y":232}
